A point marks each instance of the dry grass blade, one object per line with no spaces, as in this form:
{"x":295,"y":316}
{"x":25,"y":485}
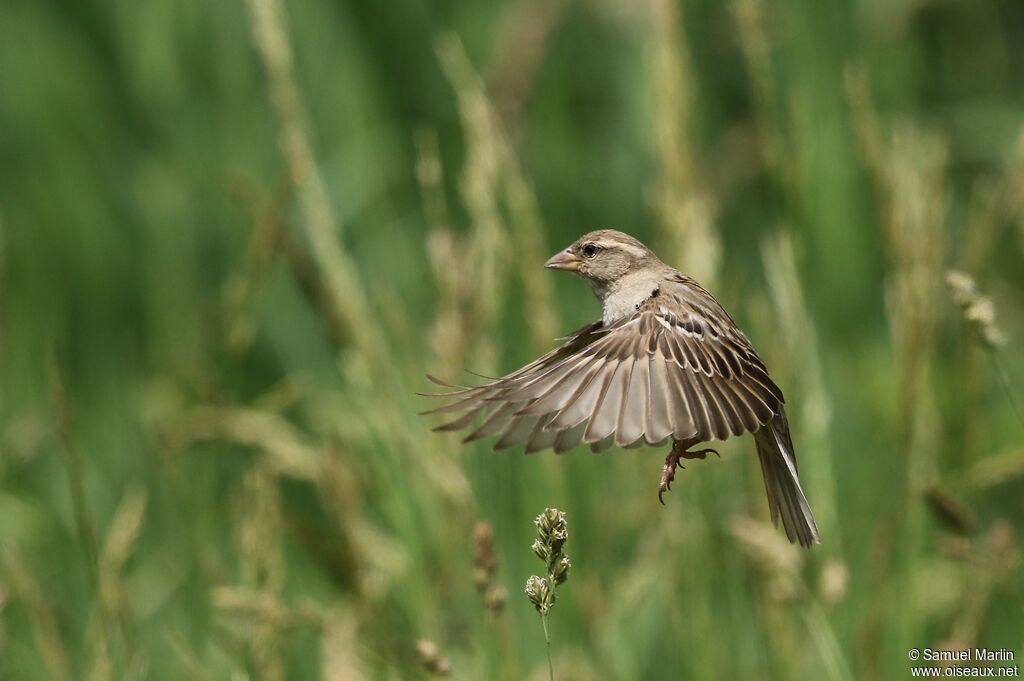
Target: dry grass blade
{"x":118,"y":546}
{"x":65,"y":422}
{"x":524,"y":218}
{"x":993,"y":562}
{"x":819,"y":630}
{"x":192,"y":666}
{"x":261,"y":563}
{"x":386,"y":560}
{"x":258,"y":530}
{"x":114,"y":598}
{"x":241,"y":289}
{"x":866,"y":125}
{"x":18,"y":578}
{"x":750,"y":17}
{"x":340,"y":649}
{"x":479,"y":187}
{"x":333,"y":263}
{"x":908,"y":167}
{"x":781,"y":565}
{"x":286,"y":449}
{"x":522,"y":42}
{"x":492,"y":178}
{"x":101,"y":627}
{"x":909,"y":174}
{"x":914,"y":220}
{"x":915,"y":215}
{"x":996,"y":470}
{"x":249,"y":606}
{"x":449,"y":261}
{"x":1009,"y":191}
{"x":685,"y":207}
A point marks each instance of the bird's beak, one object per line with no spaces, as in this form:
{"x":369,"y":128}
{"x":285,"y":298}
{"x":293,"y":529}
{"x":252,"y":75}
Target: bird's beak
{"x":564,"y":260}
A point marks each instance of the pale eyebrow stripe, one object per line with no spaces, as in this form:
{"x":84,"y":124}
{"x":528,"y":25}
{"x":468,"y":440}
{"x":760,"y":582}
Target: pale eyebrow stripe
{"x":629,"y":248}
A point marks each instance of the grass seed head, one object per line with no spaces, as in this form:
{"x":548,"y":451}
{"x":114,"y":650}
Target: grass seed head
{"x":552,"y":533}
{"x":977,"y":309}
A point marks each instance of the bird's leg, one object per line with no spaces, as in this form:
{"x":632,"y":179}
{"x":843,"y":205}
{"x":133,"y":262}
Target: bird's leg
{"x":668,"y":474}
{"x":680,"y":450}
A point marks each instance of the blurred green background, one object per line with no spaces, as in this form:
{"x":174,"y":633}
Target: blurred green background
{"x":235,"y":235}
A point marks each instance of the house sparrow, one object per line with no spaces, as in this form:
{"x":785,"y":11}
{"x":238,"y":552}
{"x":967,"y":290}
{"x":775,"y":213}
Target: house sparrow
{"x":665,"y":362}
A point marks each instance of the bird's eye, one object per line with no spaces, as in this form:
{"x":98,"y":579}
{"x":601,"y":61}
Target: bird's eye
{"x":589,"y":250}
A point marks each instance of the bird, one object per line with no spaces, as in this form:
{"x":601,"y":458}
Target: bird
{"x":665,"y":364}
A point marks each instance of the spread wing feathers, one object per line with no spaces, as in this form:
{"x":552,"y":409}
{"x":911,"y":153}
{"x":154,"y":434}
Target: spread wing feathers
{"x":678,"y":367}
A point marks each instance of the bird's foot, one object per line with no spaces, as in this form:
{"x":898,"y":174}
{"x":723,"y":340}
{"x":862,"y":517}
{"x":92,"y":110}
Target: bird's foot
{"x":699,"y":454}
{"x":668,"y":473}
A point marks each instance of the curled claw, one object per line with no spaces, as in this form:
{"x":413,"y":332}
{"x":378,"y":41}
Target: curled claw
{"x":700,"y":454}
{"x":665,"y":486}
{"x":668,"y":473}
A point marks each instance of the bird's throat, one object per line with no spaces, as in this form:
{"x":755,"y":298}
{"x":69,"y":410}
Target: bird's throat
{"x":621,"y":298}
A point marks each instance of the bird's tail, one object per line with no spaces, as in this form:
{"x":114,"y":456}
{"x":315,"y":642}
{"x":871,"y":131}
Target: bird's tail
{"x":785,"y":497}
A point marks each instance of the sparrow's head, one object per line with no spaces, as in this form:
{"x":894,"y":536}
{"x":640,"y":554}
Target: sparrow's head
{"x":603,"y":256}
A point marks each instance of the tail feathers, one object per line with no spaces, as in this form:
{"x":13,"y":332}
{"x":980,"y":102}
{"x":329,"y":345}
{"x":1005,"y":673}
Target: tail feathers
{"x":785,"y":496}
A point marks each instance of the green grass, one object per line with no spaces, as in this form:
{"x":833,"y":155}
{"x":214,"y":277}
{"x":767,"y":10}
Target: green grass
{"x":210,"y":460}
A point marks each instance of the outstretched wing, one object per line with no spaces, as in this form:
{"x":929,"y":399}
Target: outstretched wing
{"x":678,"y":367}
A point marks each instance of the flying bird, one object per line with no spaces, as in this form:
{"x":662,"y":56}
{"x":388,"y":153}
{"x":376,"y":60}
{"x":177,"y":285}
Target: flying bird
{"x":665,"y":363}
